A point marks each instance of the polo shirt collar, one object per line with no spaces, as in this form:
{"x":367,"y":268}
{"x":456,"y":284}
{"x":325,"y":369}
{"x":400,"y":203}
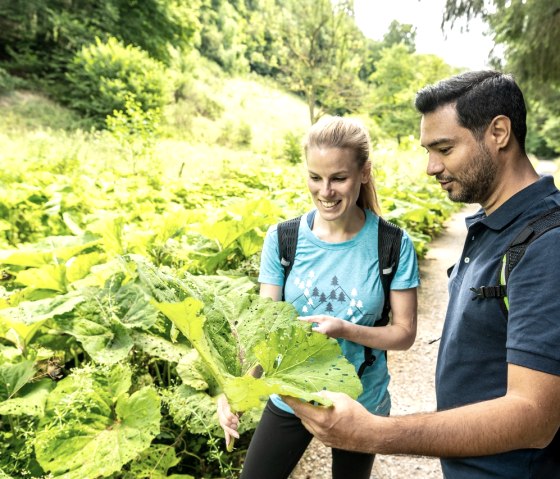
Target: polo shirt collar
{"x":516,"y":205}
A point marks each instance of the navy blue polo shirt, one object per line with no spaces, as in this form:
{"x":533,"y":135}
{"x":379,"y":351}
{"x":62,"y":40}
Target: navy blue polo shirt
{"x":478,"y":341}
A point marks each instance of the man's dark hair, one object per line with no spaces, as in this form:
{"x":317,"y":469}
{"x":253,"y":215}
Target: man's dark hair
{"x":479,"y":97}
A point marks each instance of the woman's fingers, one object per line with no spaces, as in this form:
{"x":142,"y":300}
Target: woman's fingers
{"x":228,"y":421}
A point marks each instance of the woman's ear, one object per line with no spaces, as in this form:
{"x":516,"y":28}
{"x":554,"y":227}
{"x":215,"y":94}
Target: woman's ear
{"x":500,"y":131}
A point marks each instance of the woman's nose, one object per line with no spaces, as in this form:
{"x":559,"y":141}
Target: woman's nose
{"x":326,"y":188}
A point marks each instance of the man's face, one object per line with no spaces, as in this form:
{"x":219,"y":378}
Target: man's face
{"x":463,"y":165}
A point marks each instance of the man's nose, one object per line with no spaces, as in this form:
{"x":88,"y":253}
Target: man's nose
{"x":434,"y":166}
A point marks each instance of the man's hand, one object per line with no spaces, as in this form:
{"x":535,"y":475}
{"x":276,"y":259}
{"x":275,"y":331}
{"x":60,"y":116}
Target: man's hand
{"x":344,"y":425}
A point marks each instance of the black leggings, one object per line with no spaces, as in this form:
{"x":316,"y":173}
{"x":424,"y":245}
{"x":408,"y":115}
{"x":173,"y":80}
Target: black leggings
{"x":279,"y":443}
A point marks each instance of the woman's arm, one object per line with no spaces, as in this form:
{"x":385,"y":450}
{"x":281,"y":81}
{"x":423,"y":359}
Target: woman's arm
{"x":272,"y":291}
{"x":399,"y":334}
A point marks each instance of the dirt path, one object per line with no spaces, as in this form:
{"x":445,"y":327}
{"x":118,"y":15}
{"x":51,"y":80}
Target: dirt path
{"x":412,"y":371}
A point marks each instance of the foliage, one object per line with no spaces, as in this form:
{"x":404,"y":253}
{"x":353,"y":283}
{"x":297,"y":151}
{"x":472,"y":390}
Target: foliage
{"x":320,"y":58}
{"x":529,"y":31}
{"x":75,"y":315}
{"x":134,"y":129}
{"x":7,"y":82}
{"x":92,"y":427}
{"x":398,"y":76}
{"x":222,"y":37}
{"x":105,"y":410}
{"x":103,"y":75}
{"x":293,"y":150}
{"x":38,"y":38}
{"x":234,"y":333}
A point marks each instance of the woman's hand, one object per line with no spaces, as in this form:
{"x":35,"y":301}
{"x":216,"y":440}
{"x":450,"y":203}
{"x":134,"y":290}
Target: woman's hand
{"x":228,"y":420}
{"x":329,"y":325}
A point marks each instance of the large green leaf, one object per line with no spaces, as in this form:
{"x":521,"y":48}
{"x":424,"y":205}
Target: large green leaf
{"x":53,"y":250}
{"x":248,"y":330}
{"x":14,"y":376}
{"x":25,"y":320}
{"x":187,"y":316}
{"x":104,"y":321}
{"x":50,"y":276}
{"x":30,"y":400}
{"x":159,"y":347}
{"x":105,"y":340}
{"x":92,"y":427}
{"x":154,"y":462}
{"x":296,"y":362}
{"x":79,"y":266}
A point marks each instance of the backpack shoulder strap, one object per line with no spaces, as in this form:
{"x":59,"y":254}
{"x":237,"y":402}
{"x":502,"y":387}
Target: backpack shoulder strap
{"x":389,"y":245}
{"x":535,"y":229}
{"x":287,"y":244}
{"x":515,"y":251}
{"x":389,"y":250}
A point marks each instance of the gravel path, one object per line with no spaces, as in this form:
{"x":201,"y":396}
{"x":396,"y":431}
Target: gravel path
{"x":412,"y":371}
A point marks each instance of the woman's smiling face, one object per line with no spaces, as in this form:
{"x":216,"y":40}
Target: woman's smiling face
{"x":334,"y":180}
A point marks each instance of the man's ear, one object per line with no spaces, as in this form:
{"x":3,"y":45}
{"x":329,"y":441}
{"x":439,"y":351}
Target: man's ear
{"x":500,"y":131}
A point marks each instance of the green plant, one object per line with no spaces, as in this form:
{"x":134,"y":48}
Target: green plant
{"x":134,"y":129}
{"x":236,"y":134}
{"x":292,"y":148}
{"x":101,"y":75}
{"x":7,"y":82}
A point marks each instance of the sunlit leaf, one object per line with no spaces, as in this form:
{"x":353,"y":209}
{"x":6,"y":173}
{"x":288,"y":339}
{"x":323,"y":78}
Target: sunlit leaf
{"x":92,"y":427}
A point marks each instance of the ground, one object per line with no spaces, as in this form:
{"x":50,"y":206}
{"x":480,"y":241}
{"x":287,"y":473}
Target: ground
{"x":412,"y":371}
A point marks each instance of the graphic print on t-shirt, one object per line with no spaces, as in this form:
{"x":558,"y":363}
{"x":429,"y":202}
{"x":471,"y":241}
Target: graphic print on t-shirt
{"x":328,"y":298}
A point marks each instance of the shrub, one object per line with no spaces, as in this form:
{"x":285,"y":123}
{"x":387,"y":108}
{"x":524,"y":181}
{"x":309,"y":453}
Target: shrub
{"x":292,"y":149}
{"x":236,"y":135}
{"x":7,"y":82}
{"x":102,"y":74}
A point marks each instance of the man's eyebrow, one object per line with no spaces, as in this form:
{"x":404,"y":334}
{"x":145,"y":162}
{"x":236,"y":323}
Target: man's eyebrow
{"x":437,"y":141}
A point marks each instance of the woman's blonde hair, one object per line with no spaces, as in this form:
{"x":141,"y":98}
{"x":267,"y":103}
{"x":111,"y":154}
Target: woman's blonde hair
{"x":347,"y":133}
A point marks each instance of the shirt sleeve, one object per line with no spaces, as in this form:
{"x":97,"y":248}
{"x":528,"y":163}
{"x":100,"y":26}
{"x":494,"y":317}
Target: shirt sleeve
{"x":407,"y":275}
{"x":533,"y":330}
{"x":271,"y":271}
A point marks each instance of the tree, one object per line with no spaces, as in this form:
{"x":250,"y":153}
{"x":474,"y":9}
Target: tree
{"x":529,"y":30}
{"x":222,"y":37}
{"x":397,"y":33}
{"x":38,"y":38}
{"x":393,"y":93}
{"x":404,"y":33}
{"x":321,"y":48}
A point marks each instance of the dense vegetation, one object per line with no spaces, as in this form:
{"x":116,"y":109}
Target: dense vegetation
{"x":145,"y":149}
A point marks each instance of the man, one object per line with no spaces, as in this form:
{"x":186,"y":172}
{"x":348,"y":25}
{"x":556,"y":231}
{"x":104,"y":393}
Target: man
{"x":498,"y":372}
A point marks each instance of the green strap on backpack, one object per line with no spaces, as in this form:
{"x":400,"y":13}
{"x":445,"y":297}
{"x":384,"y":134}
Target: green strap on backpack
{"x":515,"y":251}
{"x":389,"y":247}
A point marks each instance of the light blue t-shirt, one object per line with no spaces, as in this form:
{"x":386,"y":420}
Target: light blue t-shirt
{"x":342,"y":280}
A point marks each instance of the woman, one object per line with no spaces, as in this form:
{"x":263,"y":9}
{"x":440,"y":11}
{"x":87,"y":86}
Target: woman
{"x":336,"y":251}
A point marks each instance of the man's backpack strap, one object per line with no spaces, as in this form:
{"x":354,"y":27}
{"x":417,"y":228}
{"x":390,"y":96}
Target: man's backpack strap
{"x":514,"y":253}
{"x":287,"y":244}
{"x":389,"y":250}
{"x":535,"y":229}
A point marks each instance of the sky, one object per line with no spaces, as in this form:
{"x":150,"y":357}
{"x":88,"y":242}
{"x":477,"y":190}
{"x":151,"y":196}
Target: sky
{"x":467,"y":49}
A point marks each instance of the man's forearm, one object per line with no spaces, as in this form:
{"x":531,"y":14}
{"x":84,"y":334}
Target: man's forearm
{"x":485,"y":428}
